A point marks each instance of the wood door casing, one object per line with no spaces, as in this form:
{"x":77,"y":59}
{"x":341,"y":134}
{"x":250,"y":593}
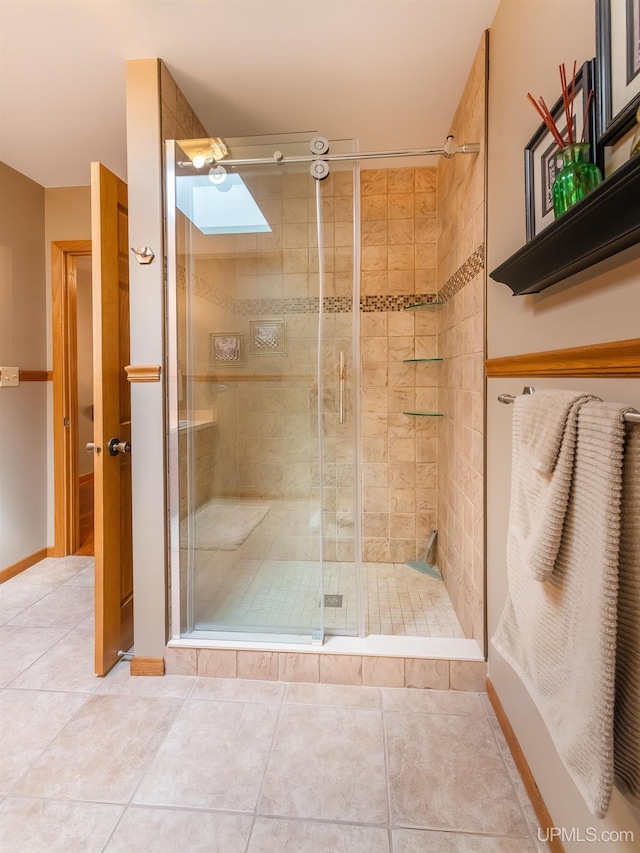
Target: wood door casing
{"x":112,"y":418}
{"x":65,"y":392}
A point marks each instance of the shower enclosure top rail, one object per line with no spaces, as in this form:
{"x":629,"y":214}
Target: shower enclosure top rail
{"x":448,"y":150}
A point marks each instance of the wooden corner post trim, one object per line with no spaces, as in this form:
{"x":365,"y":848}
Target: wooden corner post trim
{"x":146,"y":666}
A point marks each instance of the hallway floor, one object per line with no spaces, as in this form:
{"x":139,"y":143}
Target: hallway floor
{"x":230,"y":766}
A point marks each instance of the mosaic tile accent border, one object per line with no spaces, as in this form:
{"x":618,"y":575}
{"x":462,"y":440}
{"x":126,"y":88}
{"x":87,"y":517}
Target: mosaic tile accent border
{"x":301,"y":305}
{"x":391,"y":302}
{"x":466,"y":273}
{"x":290,"y":305}
{"x":207,"y":291}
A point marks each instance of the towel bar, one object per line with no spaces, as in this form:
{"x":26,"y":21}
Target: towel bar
{"x":629,"y":417}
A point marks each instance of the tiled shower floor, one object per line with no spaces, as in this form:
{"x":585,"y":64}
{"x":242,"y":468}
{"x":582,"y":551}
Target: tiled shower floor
{"x":400,"y":601}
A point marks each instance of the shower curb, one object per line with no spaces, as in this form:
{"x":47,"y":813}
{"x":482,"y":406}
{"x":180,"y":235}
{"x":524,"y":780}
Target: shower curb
{"x":326,"y":668}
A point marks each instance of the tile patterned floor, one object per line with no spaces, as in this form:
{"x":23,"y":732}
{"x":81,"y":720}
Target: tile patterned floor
{"x":122,"y":764}
{"x":400,"y":601}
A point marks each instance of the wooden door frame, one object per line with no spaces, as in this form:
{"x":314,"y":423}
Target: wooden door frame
{"x":65,"y":393}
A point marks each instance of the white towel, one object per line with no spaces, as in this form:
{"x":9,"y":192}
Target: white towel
{"x":560,"y":636}
{"x":627,"y":707}
{"x":544,"y":440}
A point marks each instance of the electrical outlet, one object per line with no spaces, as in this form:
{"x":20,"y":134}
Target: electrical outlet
{"x":9,"y":377}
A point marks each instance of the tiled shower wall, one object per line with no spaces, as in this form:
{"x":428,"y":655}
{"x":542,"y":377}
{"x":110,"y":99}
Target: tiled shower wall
{"x":461,"y":341}
{"x":399,"y":451}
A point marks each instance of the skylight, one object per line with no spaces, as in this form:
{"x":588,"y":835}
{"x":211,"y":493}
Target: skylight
{"x":224,"y":208}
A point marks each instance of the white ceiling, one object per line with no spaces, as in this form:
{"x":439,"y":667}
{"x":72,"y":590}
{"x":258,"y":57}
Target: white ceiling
{"x":388,"y":72}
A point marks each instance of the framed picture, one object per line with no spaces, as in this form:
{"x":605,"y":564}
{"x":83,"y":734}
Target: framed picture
{"x":268,"y":337}
{"x":541,"y":152}
{"x":618,"y":67}
{"x":226,"y":348}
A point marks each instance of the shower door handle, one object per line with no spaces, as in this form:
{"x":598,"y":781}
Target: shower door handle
{"x":342,"y":376}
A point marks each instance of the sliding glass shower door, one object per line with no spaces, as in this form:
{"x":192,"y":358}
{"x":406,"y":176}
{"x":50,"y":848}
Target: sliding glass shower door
{"x":262,"y":423}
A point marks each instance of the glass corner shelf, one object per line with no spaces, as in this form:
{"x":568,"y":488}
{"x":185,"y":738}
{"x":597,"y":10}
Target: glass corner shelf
{"x":424,"y":414}
{"x":416,"y":360}
{"x":420,"y":306}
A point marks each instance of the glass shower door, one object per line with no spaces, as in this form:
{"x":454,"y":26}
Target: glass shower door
{"x":258,"y":468}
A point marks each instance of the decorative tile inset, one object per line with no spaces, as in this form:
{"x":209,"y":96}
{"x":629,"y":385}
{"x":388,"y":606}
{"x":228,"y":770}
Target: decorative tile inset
{"x":466,"y":273}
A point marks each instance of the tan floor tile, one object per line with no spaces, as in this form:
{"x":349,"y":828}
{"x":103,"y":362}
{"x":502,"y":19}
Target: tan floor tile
{"x":16,"y":597}
{"x":67,"y":666}
{"x":148,"y":830}
{"x":31,"y":719}
{"x":329,"y":763}
{"x":274,"y":836}
{"x":120,"y":681}
{"x":86,"y":577}
{"x":432,"y":701}
{"x":417,"y":841}
{"x":336,"y":695}
{"x":55,"y":570}
{"x":102,"y":753}
{"x":455,"y":759}
{"x":65,"y":607}
{"x":49,"y":826}
{"x":196,"y":768}
{"x":238,"y":690}
{"x":22,"y":646}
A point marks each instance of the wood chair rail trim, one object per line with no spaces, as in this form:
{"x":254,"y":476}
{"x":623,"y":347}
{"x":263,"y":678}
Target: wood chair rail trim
{"x":615,"y":358}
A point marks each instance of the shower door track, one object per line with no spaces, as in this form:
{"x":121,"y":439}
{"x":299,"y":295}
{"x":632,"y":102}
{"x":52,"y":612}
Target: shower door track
{"x":448,"y":150}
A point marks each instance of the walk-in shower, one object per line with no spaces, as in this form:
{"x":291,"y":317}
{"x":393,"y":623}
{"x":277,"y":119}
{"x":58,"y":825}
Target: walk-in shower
{"x":278,"y":471}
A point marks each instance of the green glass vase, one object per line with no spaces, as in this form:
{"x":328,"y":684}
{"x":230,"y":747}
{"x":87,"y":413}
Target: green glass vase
{"x":576,"y":179}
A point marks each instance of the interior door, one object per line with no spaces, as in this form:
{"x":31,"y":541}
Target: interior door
{"x":112,"y":419}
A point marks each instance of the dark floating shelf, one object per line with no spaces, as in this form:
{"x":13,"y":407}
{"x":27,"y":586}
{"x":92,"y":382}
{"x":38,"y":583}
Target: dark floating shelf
{"x":602,"y":224}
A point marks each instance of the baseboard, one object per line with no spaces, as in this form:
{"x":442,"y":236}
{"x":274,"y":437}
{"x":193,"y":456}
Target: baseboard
{"x":21,"y":565}
{"x":51,"y":551}
{"x":146,"y":666}
{"x":539,"y":807}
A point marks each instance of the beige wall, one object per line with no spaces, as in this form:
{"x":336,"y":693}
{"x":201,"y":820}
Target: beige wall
{"x":461,"y":343}
{"x":601,"y":304}
{"x":23,"y":410}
